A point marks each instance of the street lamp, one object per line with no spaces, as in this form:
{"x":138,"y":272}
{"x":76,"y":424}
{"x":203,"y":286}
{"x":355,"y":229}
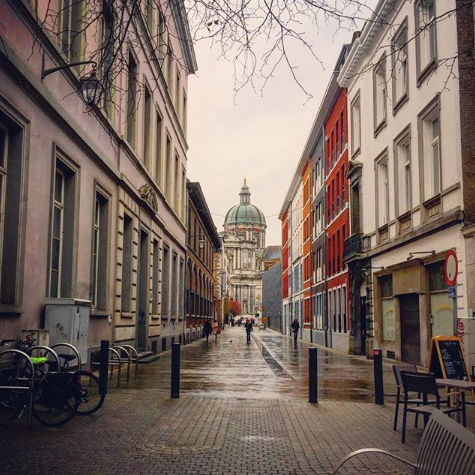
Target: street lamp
{"x":91,"y":87}
{"x":201,"y":241}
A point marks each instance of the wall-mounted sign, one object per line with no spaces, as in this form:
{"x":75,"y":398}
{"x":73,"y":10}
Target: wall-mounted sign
{"x":451,"y":268}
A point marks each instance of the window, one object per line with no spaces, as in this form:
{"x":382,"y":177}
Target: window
{"x":338,"y":310}
{"x":174,"y":297}
{"x":108,"y":60}
{"x":12,"y":206}
{"x":155,"y":270}
{"x":176,"y":185}
{"x":379,"y":94}
{"x":403,"y":176}
{"x":355,"y":125}
{"x":184,"y":114}
{"x":440,"y":303}
{"x":168,"y":164}
{"x":62,"y":249}
{"x":159,"y":149}
{"x":170,"y":72}
{"x":165,"y":282}
{"x":343,"y":308}
{"x":147,"y":129}
{"x":100,"y":247}
{"x":387,"y":308}
{"x":181,"y":303}
{"x":149,"y":15}
{"x":162,"y":47}
{"x":72,"y":30}
{"x":177,"y":95}
{"x":382,"y":192}
{"x":342,"y":132}
{"x":425,"y":36}
{"x":400,"y":65}
{"x":127,"y":265}
{"x":131,"y":118}
{"x":431,"y":157}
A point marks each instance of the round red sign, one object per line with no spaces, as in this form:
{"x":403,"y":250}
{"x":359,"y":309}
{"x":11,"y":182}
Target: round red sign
{"x":451,"y":268}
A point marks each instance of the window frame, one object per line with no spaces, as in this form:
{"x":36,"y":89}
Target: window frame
{"x":423,"y":72}
{"x":356,"y":102}
{"x":396,"y":49}
{"x":382,"y":157}
{"x":403,"y":139}
{"x":379,"y":124}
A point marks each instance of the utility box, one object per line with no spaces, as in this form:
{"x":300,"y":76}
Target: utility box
{"x":68,"y":322}
{"x":40,"y":337}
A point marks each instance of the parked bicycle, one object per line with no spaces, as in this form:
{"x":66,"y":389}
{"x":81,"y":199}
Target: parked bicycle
{"x":56,"y":396}
{"x":90,"y":394}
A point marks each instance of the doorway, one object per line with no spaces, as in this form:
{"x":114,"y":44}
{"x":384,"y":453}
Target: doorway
{"x":143,"y":291}
{"x":410,"y":328}
{"x":363,"y":324}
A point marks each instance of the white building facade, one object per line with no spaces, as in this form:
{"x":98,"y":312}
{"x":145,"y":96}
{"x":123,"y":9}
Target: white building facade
{"x":405,"y":173}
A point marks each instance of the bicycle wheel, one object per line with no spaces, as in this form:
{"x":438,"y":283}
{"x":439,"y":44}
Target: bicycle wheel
{"x":91,"y":399}
{"x":55,"y":406}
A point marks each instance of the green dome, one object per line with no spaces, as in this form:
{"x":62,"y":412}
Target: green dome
{"x":245,"y":212}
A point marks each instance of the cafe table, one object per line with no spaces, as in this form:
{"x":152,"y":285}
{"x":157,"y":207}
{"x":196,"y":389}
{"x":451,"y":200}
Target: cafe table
{"x":459,"y":385}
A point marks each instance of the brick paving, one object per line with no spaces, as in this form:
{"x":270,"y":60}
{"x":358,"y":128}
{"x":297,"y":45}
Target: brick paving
{"x":256,"y":430}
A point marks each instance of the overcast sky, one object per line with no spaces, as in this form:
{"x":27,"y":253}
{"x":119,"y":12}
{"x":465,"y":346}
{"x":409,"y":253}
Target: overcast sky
{"x":253,"y":136}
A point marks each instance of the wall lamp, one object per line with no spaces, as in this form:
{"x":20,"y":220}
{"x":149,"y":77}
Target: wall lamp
{"x":201,"y":241}
{"x":411,"y":254}
{"x":91,"y":87}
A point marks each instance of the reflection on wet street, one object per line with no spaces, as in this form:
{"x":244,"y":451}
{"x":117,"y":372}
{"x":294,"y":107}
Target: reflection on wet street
{"x":269,"y":368}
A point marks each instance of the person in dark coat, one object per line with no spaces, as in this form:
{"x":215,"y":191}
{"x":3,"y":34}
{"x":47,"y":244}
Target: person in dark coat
{"x":295,"y":328}
{"x":207,"y":329}
{"x":249,"y":329}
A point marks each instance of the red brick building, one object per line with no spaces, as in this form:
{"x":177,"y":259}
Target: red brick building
{"x":336,"y":152}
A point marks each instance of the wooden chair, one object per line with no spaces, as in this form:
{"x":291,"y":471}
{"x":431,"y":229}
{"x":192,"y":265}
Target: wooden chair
{"x":399,"y":387}
{"x":425,"y":385}
{"x":446,"y":448}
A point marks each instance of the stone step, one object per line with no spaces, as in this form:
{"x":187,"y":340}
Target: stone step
{"x":149,"y":359}
{"x":144,"y":354}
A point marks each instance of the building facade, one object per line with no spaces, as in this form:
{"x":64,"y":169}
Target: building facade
{"x":408,"y":171}
{"x":203,"y":244}
{"x":94,"y":194}
{"x":244,"y":239}
{"x":272,"y":297}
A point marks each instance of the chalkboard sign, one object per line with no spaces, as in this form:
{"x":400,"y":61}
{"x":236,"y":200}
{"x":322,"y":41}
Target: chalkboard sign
{"x":447,"y":358}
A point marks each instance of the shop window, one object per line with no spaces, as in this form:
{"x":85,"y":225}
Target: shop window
{"x":387,"y":308}
{"x":441,"y":305}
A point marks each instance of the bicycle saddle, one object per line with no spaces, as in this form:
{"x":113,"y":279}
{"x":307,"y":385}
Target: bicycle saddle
{"x":38,"y":360}
{"x":67,"y":357}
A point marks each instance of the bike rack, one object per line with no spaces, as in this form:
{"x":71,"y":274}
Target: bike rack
{"x":48,"y":350}
{"x":123,"y":360}
{"x":30,"y":387}
{"x":71,"y":347}
{"x":118,"y":364}
{"x":133,"y":359}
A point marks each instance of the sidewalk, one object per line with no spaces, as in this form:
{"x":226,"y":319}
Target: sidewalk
{"x":236,"y":415}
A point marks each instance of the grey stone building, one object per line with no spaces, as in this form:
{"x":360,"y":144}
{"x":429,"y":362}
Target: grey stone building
{"x":272,"y":297}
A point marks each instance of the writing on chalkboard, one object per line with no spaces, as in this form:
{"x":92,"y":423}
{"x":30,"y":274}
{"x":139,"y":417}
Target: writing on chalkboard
{"x":447,"y":359}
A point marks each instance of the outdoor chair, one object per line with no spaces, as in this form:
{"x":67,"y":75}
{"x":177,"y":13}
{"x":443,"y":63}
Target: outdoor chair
{"x":446,"y":448}
{"x":426,"y":385}
{"x":399,"y":399}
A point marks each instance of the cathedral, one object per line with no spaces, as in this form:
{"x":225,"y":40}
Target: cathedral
{"x":244,"y":240}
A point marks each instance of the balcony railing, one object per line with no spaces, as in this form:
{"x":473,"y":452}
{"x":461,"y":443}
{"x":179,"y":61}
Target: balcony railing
{"x":353,"y":246}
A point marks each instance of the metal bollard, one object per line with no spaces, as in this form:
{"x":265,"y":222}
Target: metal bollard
{"x":175,"y":383}
{"x":103,"y":366}
{"x":312,"y":375}
{"x":378,"y":376}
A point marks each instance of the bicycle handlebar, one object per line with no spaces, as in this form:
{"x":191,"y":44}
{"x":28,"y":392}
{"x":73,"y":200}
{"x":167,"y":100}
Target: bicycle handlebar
{"x":4,"y":342}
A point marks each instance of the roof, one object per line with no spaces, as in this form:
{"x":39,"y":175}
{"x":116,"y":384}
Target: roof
{"x":272,"y":252}
{"x":197,"y":197}
{"x":245,"y":212}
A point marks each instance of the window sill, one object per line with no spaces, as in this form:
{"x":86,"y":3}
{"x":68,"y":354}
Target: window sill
{"x":99,"y":313}
{"x":435,"y":200}
{"x":379,"y":127}
{"x":426,"y":72}
{"x":127,"y":314}
{"x":11,"y":309}
{"x":402,"y":100}
{"x":356,"y":153}
{"x":383,"y":234}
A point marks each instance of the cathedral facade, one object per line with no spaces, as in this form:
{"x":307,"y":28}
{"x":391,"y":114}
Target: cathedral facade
{"x":244,"y":240}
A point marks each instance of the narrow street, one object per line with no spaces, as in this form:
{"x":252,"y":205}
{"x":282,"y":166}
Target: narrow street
{"x":242,"y":410}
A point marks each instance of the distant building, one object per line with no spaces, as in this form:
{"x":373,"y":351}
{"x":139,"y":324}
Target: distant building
{"x":272,"y":297}
{"x":271,"y":256}
{"x":244,"y":240}
{"x":203,"y":242}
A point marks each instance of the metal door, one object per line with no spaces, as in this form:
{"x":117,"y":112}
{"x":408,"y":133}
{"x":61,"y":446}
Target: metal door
{"x":410,"y":328}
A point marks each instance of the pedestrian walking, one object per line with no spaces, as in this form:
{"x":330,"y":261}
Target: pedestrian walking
{"x":295,"y":328}
{"x":216,"y":330}
{"x":249,"y":329}
{"x":207,"y":329}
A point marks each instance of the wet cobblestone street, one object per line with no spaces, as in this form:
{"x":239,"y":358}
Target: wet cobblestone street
{"x":242,"y":410}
